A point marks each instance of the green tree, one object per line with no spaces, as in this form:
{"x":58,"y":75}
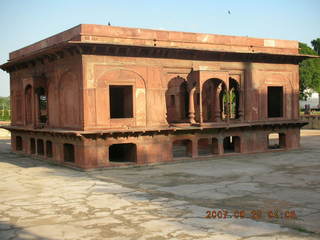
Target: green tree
{"x":4,"y":108}
{"x":316,"y":45}
{"x":309,"y":72}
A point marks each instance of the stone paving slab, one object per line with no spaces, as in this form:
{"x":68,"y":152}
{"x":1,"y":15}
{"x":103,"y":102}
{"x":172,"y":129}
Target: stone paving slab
{"x":167,"y":201}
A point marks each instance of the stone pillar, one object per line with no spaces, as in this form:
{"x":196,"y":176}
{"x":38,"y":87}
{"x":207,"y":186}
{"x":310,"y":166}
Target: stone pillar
{"x":215,"y":146}
{"x":191,"y":106}
{"x":217,"y":114}
{"x":240,"y":106}
{"x":194,"y":148}
{"x":220,"y":146}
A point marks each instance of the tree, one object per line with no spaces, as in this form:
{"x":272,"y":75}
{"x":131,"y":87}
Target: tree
{"x":309,"y":72}
{"x":4,"y":108}
{"x":316,"y":45}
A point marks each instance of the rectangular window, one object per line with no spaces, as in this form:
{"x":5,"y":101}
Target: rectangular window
{"x":275,"y":102}
{"x":121,"y":101}
{"x":124,"y":152}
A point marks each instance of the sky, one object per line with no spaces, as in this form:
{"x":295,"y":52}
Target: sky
{"x":23,"y":22}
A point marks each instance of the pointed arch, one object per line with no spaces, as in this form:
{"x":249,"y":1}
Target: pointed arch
{"x":177,"y":100}
{"x":131,"y":81}
{"x":213,"y":100}
{"x":234,"y":95}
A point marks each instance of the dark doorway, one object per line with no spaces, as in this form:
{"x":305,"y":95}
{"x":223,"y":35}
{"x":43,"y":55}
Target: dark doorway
{"x":208,"y":103}
{"x":125,"y":152}
{"x":214,"y":100}
{"x":49,"y":149}
{"x":234,"y":98}
{"x":182,"y":148}
{"x":43,"y":105}
{"x":121,"y":102}
{"x":275,"y":102}
{"x":19,"y":144}
{"x":68,"y":152}
{"x":40,"y":147}
{"x":177,"y":100}
{"x":231,"y":144}
{"x":32,"y":146}
{"x":184,"y":100}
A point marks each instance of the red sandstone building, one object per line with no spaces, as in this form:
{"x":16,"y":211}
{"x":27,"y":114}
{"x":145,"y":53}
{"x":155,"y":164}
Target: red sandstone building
{"x":98,"y":96}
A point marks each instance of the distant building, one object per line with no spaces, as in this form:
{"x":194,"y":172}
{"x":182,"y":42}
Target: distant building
{"x":312,"y":101}
{"x":99,"y":96}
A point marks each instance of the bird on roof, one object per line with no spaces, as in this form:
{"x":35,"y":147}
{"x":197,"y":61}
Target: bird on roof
{"x":109,"y":24}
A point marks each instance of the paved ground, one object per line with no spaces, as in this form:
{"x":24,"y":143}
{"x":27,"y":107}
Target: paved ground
{"x":42,"y":201}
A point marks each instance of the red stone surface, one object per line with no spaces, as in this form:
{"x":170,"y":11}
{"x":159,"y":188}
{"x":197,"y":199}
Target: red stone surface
{"x":180,"y":85}
{"x":147,"y":37}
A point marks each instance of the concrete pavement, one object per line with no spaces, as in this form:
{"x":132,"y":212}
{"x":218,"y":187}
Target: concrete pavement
{"x":277,"y":195}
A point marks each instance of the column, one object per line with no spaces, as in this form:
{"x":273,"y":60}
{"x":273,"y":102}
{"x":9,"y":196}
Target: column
{"x":217,"y":114}
{"x":191,"y":106}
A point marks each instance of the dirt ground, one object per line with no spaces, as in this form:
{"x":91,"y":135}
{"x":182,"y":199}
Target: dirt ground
{"x":273,"y":195}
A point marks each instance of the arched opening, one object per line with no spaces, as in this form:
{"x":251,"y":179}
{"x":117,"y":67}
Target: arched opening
{"x":40,"y":147}
{"x":208,"y":101}
{"x":177,"y":100}
{"x":124,"y":152}
{"x":223,"y":96}
{"x":214,"y":100}
{"x":234,"y":98}
{"x":43,"y":105}
{"x":182,"y":148}
{"x":184,"y":100}
{"x":28,"y":105}
{"x":19,"y":144}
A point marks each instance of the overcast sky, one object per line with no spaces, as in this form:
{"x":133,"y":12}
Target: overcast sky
{"x":23,"y":22}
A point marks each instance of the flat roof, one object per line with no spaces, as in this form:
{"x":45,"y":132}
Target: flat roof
{"x":103,"y":34}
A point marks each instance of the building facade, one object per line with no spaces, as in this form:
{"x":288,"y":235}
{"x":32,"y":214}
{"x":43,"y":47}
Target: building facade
{"x":100,"y":96}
